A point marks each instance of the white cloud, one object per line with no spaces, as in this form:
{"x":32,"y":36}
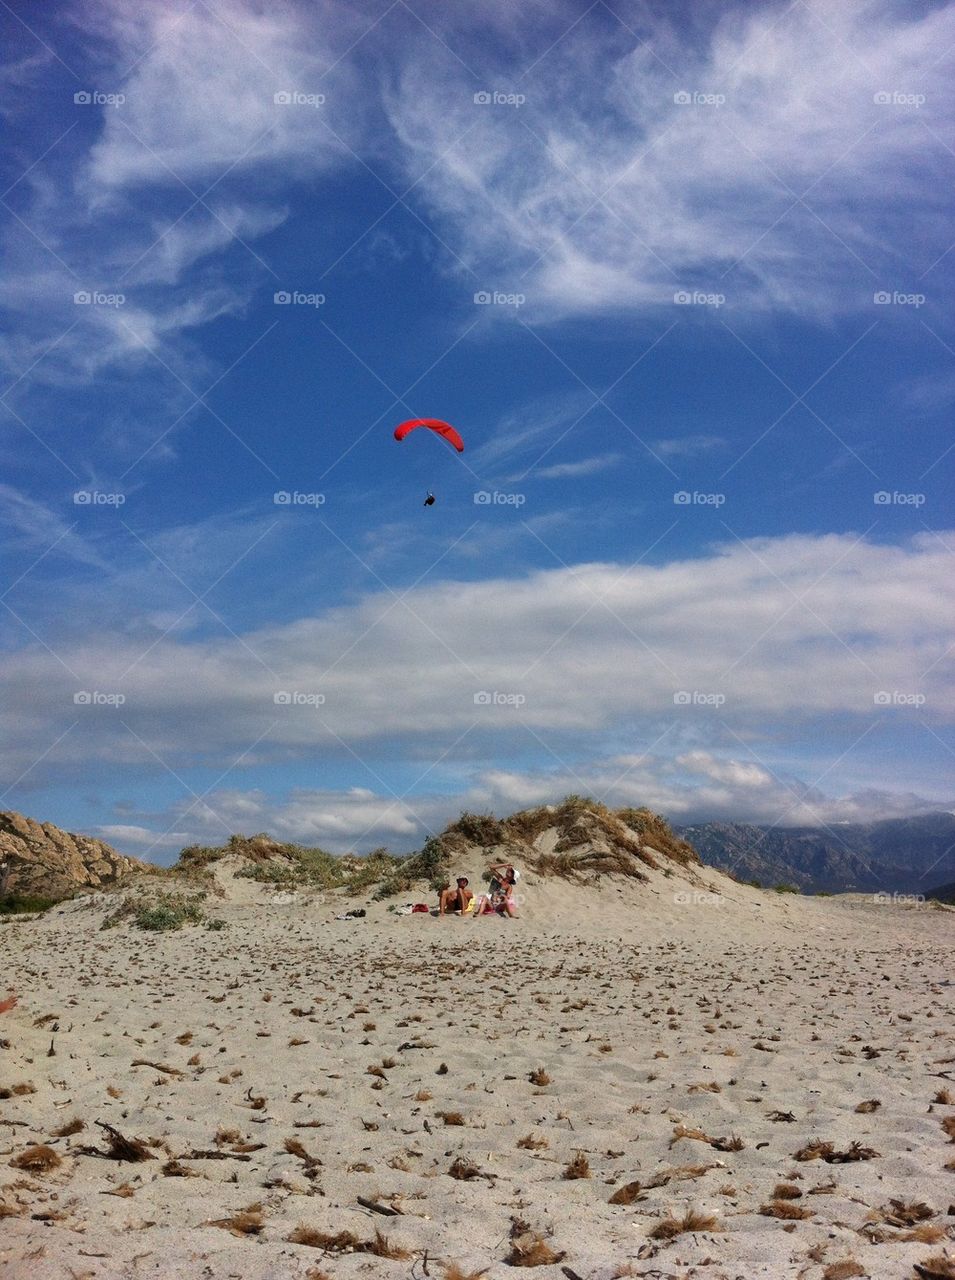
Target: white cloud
{"x":200,"y":98}
{"x":614,"y":195}
{"x":585,"y":467}
{"x":687,"y":446}
{"x":767,"y":637}
{"x":698,"y":786}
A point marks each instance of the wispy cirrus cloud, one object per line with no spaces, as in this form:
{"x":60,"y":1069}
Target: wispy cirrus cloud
{"x":788,"y":157}
{"x":584,"y":467}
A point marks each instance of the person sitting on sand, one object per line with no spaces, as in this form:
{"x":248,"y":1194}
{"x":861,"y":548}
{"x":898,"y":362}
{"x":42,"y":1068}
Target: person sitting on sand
{"x":456,"y":899}
{"x":499,"y":899}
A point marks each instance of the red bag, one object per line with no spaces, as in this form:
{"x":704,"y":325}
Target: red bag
{"x":420,"y":906}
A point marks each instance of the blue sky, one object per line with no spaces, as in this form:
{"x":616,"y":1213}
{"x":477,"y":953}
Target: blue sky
{"x":680,"y":275}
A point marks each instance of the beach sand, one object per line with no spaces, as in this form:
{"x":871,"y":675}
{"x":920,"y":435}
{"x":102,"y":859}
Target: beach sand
{"x":495,"y":1082}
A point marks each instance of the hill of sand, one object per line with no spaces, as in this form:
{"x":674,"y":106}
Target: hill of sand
{"x":666,"y":1076}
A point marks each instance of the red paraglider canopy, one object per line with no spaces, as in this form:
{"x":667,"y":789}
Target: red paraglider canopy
{"x":433,"y":424}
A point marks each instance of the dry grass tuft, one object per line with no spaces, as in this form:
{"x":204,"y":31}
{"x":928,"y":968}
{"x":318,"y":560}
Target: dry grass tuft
{"x":814,"y":1149}
{"x":452,"y":1271}
{"x":628,"y":1194}
{"x":423,"y":1095}
{"x":347,"y":1242}
{"x":854,"y":1151}
{"x":37,"y":1159}
{"x":786,"y":1191}
{"x":451,"y":1117}
{"x":247,"y":1222}
{"x":784,"y":1209}
{"x":843,"y":1270}
{"x":539,"y":1077}
{"x":531,"y":1250}
{"x":936,"y":1268}
{"x":945,"y":1097}
{"x":463,"y":1169}
{"x":67,"y":1130}
{"x":897,"y":1213}
{"x":925,"y":1233}
{"x":579,"y":1167}
{"x":870,"y":1105}
{"x":732,"y":1143}
{"x":17,"y":1090}
{"x":692,"y":1220}
{"x":948,"y":1127}
{"x":382,"y":1247}
{"x":332,"y":1242}
{"x":533,"y":1142}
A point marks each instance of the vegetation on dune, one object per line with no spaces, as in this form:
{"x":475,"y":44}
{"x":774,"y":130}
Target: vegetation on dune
{"x":24,"y":903}
{"x":159,"y":913}
{"x":592,"y":839}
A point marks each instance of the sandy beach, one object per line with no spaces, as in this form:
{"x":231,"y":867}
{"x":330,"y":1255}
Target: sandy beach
{"x":769,"y":1072}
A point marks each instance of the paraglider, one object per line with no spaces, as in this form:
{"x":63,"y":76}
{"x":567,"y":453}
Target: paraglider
{"x":443,"y":429}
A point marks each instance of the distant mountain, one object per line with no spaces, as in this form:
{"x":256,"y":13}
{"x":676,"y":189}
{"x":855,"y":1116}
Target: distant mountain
{"x":898,"y":855}
{"x":943,"y":893}
{"x":39,"y":861}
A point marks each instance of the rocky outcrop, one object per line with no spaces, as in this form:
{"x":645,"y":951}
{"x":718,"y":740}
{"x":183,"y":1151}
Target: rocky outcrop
{"x":38,"y":860}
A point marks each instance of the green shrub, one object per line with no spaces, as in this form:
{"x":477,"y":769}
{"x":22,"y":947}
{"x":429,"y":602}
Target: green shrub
{"x":157,"y":914}
{"x":787,"y":888}
{"x":15,"y":903}
{"x":215,"y":925}
{"x":480,"y":828}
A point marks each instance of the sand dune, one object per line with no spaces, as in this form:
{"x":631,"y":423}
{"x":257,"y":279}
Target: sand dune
{"x":496,"y":1084}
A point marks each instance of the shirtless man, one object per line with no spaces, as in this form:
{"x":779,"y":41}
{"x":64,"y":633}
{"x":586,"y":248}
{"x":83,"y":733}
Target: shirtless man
{"x":456,"y":899}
